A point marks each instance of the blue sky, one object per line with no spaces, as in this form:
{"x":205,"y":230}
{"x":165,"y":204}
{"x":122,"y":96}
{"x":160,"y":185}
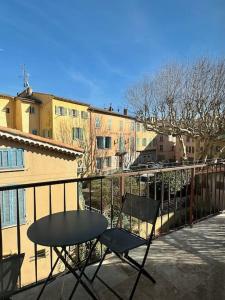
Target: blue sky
{"x":93,"y":50}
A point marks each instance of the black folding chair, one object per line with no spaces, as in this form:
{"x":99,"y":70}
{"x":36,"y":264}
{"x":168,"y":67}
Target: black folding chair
{"x":9,"y":273}
{"x":120,"y":241}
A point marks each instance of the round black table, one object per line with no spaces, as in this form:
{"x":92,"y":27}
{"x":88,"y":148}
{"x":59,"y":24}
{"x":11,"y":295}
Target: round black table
{"x":68,"y":229}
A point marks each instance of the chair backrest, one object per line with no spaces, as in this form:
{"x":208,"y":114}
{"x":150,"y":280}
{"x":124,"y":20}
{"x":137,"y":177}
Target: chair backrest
{"x":9,"y":273}
{"x":140,"y":207}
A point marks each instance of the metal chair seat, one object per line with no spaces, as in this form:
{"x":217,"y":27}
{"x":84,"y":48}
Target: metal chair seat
{"x":120,"y":240}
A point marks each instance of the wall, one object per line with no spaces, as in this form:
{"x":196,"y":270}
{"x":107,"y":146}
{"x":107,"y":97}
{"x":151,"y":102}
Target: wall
{"x":114,"y":132}
{"x":24,"y":120}
{"x":6,"y":119}
{"x":40,"y":165}
{"x":63,"y":125}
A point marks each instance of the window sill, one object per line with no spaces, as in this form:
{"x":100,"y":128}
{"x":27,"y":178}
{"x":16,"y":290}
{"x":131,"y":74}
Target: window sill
{"x":13,"y":225}
{"x":12,"y":170}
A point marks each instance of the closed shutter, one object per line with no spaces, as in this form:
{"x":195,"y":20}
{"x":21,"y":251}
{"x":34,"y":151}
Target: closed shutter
{"x":20,"y":158}
{"x":8,"y":201}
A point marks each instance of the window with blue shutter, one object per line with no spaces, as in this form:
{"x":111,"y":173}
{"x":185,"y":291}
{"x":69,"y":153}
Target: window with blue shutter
{"x":8,"y":204}
{"x":100,"y":140}
{"x":108,"y":142}
{"x":77,"y":133}
{"x":97,"y":122}
{"x":11,"y":158}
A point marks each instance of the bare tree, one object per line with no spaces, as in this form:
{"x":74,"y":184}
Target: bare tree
{"x":184,"y":100}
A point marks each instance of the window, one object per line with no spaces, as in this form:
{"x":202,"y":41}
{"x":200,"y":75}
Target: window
{"x":188,"y":139}
{"x":108,"y":161}
{"x":143,"y":128}
{"x":32,"y":110}
{"x":34,"y":131}
{"x":193,"y":150}
{"x":100,"y":142}
{"x":132,"y":126}
{"x":8,"y":202}
{"x":144,"y":142}
{"x":99,"y":163}
{"x":161,"y":138}
{"x":47,"y":133}
{"x":132,"y":146}
{"x":138,"y":126}
{"x":11,"y":158}
{"x":108,"y":142}
{"x":121,"y":125}
{"x":109,"y":126}
{"x":84,"y":114}
{"x":121,"y":144}
{"x":97,"y":122}
{"x":172,"y":148}
{"x":161,"y":148}
{"x":6,"y":109}
{"x":60,"y":110}
{"x":138,"y":141}
{"x":73,"y":113}
{"x":77,"y":133}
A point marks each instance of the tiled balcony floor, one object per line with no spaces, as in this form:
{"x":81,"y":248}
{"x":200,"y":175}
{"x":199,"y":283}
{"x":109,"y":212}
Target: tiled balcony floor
{"x":187,"y":264}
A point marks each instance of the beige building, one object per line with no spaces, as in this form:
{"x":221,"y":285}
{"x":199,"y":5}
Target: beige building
{"x":112,"y":139}
{"x":26,"y":158}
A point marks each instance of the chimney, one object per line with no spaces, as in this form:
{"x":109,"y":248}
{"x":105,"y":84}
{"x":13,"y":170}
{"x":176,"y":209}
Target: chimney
{"x":110,"y":108}
{"x":125,"y":111}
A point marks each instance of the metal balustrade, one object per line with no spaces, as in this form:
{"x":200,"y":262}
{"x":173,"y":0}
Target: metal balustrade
{"x":188,"y":194}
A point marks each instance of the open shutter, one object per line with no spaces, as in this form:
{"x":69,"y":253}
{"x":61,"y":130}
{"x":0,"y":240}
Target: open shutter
{"x":21,"y":205}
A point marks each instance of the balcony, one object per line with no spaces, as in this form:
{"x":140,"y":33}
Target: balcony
{"x":188,"y":263}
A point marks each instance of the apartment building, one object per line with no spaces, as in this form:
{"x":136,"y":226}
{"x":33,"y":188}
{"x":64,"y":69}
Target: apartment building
{"x":26,"y":158}
{"x":145,"y":146}
{"x":113,"y":139}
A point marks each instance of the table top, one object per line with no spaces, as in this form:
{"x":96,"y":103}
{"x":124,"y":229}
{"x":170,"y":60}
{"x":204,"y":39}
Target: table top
{"x":67,"y":228}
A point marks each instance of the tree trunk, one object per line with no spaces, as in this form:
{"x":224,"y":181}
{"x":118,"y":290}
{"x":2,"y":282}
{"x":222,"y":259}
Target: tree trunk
{"x":184,"y":152}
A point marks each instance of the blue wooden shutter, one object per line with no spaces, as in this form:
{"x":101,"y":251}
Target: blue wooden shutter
{"x":8,"y":202}
{"x":20,"y":158}
{"x":5,"y":208}
{"x":21,"y":205}
{"x":4,"y":158}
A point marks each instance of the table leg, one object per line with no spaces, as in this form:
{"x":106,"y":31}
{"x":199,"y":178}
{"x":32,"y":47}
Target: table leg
{"x":77,"y":264}
{"x":83,"y":269}
{"x":79,"y":280}
{"x":48,"y":278}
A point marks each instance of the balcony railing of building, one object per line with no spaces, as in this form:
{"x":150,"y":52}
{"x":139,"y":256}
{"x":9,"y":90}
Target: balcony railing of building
{"x":188,"y":194}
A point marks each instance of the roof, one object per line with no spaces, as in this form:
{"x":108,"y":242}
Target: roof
{"x":62,"y":98}
{"x":108,"y":112}
{"x":6,"y":96}
{"x":38,"y":141}
{"x":29,"y":100}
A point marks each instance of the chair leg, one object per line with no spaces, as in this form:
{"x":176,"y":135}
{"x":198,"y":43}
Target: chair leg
{"x":99,"y":265}
{"x":135,"y":285}
{"x":148,"y":275}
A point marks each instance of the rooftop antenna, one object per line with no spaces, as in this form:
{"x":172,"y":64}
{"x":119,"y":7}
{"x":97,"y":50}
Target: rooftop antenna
{"x":25,"y":77}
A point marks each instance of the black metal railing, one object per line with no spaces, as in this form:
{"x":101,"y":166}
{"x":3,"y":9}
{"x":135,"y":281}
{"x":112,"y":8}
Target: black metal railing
{"x":187,"y":193}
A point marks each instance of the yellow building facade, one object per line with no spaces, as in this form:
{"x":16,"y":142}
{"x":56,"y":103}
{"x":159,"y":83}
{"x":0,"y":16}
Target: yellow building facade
{"x":79,"y":124}
{"x":113,"y":140}
{"x":26,"y":158}
{"x":145,"y":144}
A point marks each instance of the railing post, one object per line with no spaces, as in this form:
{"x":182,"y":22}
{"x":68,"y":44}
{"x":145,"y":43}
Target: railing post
{"x":122,"y":185}
{"x":192,"y":194}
